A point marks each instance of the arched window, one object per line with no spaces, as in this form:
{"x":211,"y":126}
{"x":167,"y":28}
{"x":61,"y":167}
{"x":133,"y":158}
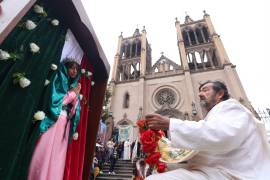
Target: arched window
{"x":199,"y":35}
{"x":192,"y":37}
{"x":139,"y":48}
{"x":206,"y":35}
{"x":185,"y":37}
{"x":126,"y":101}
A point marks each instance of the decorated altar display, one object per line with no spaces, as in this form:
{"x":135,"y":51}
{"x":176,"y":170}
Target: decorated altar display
{"x":158,"y":149}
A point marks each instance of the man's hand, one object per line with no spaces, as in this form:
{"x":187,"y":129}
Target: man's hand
{"x":77,"y":88}
{"x":157,"y":122}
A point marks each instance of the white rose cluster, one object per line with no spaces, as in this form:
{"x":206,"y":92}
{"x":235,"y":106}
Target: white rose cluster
{"x":83,"y":71}
{"x":39,"y":115}
{"x":38,"y":9}
{"x":34,"y":47}
{"x":55,"y":22}
{"x":21,"y":79}
{"x":30,"y":25}
{"x":88,"y":73}
{"x":46,"y":82}
{"x":53,"y":67}
{"x":75,"y":136}
{"x":4,"y":55}
{"x":24,"y":82}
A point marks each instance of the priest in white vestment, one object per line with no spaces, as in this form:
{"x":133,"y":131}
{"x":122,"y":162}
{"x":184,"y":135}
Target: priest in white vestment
{"x":126,"y":155}
{"x":231,"y":142}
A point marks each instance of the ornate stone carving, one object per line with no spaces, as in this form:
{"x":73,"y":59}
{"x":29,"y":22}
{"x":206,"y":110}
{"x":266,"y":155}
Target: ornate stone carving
{"x":166,"y":96}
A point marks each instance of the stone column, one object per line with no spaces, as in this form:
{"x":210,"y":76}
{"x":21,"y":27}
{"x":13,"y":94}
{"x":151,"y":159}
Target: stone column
{"x":221,"y":52}
{"x":181,"y":46}
{"x":116,"y":59}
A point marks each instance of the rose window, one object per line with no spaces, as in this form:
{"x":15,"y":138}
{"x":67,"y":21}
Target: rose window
{"x":166,"y":97}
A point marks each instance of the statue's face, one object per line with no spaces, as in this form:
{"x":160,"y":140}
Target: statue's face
{"x":73,"y":71}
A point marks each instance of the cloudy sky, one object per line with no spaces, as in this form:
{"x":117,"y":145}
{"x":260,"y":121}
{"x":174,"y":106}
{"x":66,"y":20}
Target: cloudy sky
{"x":242,"y":25}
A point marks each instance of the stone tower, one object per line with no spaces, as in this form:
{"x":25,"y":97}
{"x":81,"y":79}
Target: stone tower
{"x":166,"y":87}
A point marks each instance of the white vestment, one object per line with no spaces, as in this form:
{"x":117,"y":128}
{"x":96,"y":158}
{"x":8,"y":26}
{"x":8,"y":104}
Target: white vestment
{"x":231,"y":145}
{"x":126,"y":151}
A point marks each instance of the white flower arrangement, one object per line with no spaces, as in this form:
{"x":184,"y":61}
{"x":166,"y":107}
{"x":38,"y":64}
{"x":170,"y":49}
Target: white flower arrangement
{"x":4,"y":55}
{"x":75,"y":136}
{"x":39,"y":115}
{"x":24,"y":82}
{"x":46,"y":82}
{"x":88,"y":73}
{"x":39,"y":10}
{"x":55,"y":22}
{"x":83,"y":71}
{"x":53,"y":67}
{"x":81,"y":96}
{"x":21,"y":79}
{"x":30,"y":25}
{"x":34,"y":47}
{"x":92,"y":83}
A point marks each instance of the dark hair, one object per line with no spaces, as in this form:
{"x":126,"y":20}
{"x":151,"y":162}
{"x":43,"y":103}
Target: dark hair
{"x":70,"y":63}
{"x":218,"y":86}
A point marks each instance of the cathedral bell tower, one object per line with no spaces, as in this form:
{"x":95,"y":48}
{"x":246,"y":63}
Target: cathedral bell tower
{"x":203,"y":57}
{"x":199,"y":45}
{"x":133,"y":57}
{"x":132,"y":63}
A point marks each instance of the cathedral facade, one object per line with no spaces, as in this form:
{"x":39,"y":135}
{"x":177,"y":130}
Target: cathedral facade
{"x":166,"y":87}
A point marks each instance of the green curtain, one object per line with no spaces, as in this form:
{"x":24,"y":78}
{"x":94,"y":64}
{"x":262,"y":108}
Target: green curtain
{"x":18,"y":133}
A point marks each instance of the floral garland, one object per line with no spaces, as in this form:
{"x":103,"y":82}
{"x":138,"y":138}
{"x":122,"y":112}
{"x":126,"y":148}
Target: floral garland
{"x":149,"y":139}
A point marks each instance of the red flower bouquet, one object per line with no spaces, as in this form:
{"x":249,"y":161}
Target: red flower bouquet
{"x":149,"y":140}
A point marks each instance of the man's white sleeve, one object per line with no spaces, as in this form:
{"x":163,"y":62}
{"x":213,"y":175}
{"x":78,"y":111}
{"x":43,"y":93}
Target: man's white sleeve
{"x":223,"y":131}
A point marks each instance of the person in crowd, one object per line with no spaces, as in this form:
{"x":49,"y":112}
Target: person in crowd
{"x":110,"y":146}
{"x":230,"y":141}
{"x":127,"y":151}
{"x":113,"y":159}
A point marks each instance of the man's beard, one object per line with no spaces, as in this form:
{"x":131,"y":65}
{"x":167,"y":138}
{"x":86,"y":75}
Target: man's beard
{"x":208,"y":104}
{"x":204,"y":103}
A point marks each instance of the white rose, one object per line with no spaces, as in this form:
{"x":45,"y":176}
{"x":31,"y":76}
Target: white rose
{"x":53,"y":67}
{"x":24,"y":82}
{"x":38,"y":9}
{"x":4,"y":55}
{"x":40,"y":115}
{"x":46,"y":82}
{"x":55,"y":22}
{"x":92,"y":83}
{"x":75,"y":136}
{"x":34,"y":48}
{"x":81,"y":96}
{"x":30,"y":25}
{"x":88,"y":74}
{"x":82,"y":71}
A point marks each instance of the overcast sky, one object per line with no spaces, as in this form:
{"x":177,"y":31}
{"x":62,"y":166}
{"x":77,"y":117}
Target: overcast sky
{"x":242,"y":25}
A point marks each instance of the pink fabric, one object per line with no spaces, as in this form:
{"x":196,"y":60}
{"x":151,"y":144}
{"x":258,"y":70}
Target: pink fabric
{"x":76,"y":149}
{"x":48,"y":160}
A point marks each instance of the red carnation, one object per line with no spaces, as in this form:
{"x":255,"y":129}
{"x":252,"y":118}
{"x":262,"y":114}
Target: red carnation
{"x":149,"y":148}
{"x":153,"y":158}
{"x":142,"y":125}
{"x":148,"y":141}
{"x":161,"y":167}
{"x":159,"y":134}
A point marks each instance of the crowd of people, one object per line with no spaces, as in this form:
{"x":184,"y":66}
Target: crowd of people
{"x":108,"y":154}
